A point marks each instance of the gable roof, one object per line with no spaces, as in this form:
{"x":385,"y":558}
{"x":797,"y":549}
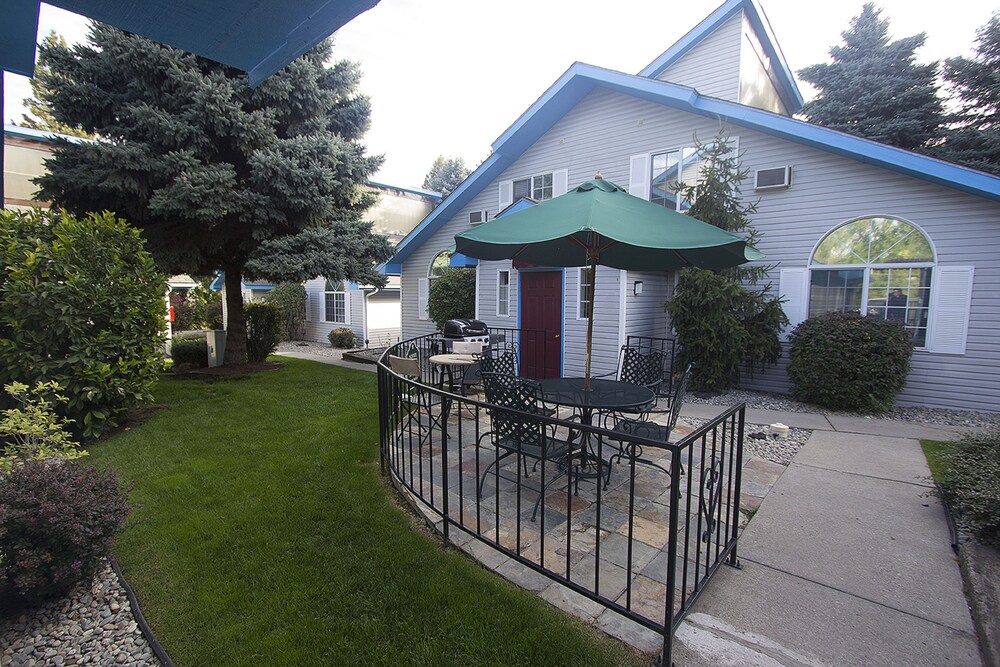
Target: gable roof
{"x":581,"y":79}
{"x":786,"y":86}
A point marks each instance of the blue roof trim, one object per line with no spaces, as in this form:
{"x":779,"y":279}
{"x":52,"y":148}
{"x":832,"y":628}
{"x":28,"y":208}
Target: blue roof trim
{"x":581,"y":79}
{"x":788,"y":89}
{"x":17,"y":36}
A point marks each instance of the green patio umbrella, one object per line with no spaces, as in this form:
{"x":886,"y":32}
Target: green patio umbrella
{"x":598,"y":222}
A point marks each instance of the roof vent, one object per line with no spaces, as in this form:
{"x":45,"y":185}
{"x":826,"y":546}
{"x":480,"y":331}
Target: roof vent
{"x":773,"y":179}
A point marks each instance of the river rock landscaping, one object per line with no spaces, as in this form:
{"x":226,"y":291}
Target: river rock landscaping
{"x":93,"y":625}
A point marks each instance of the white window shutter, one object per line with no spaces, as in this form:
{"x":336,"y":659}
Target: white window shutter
{"x":506,"y":195}
{"x":310,"y":298}
{"x":639,"y":175}
{"x":423,"y":291}
{"x":560,"y":182}
{"x":793,"y":286}
{"x":951,"y":298}
{"x":347,"y":306}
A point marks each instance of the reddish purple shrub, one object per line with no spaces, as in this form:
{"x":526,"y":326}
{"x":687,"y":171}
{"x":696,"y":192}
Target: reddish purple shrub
{"x":57,"y":520}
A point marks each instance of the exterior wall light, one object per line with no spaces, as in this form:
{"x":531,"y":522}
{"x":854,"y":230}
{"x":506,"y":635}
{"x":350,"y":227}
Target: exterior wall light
{"x":637,"y":288}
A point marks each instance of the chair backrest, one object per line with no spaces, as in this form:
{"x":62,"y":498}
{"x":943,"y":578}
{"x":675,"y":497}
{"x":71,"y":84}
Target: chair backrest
{"x":407,"y":366}
{"x":678,"y":397}
{"x":507,"y":391}
{"x":641,"y":367}
{"x":502,"y":361}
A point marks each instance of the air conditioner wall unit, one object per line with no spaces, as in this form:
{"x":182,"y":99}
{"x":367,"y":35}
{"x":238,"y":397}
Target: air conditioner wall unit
{"x":773,"y":179}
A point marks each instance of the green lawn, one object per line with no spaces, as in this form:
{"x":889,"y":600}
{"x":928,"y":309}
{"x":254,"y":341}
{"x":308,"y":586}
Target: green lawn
{"x":933,"y":449}
{"x":266,"y":536}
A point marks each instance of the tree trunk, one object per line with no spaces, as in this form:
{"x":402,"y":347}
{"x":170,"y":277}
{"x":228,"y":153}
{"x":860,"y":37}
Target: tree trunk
{"x":236,"y":327}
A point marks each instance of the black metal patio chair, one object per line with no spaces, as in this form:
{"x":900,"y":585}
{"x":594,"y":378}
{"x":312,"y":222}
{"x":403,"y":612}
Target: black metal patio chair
{"x":517,"y":431}
{"x":637,"y":366}
{"x":417,"y":401}
{"x":646,"y":428}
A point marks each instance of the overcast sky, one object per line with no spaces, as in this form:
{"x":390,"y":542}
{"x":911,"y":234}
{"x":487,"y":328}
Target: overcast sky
{"x":448,"y":77}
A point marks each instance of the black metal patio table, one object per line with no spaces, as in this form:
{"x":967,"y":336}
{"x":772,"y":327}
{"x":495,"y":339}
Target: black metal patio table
{"x":603,"y":394}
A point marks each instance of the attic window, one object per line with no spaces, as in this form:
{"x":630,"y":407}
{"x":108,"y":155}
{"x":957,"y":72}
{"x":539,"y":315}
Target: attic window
{"x":478,"y":217}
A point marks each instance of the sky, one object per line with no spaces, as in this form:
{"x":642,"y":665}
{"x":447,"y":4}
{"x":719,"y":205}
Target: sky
{"x":448,"y":77}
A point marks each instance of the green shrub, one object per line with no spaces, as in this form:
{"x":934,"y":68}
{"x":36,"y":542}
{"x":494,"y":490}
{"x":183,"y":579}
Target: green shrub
{"x":213,"y":315}
{"x":848,"y":362}
{"x":81,"y":304}
{"x":723,"y":328}
{"x":452,"y":295}
{"x":291,"y":299}
{"x":341,"y":337}
{"x":972,"y":484}
{"x":33,"y":431}
{"x":190,"y":351}
{"x":57,"y":521}
{"x":263,"y":329}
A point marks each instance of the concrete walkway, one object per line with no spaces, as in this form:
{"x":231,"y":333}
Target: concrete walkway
{"x":847,"y":562}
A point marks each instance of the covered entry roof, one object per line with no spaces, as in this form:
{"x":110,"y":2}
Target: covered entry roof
{"x":257,"y":36}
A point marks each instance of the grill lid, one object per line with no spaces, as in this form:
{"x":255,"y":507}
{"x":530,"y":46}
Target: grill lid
{"x":460,"y":328}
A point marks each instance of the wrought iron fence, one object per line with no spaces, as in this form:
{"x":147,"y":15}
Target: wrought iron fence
{"x":641,"y":537}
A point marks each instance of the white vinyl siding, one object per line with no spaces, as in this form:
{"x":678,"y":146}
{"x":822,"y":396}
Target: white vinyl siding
{"x":713,"y":66}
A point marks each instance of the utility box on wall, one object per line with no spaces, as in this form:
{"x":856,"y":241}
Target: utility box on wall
{"x":216,"y":347}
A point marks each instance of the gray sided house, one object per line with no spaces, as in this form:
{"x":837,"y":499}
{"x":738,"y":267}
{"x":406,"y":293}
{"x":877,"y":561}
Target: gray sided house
{"x":852,"y":225}
{"x":373,"y":314}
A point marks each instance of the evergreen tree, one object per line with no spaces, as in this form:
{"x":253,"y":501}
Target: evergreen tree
{"x":973,"y":139}
{"x":40,"y":112}
{"x":725,"y":321}
{"x":446,"y":174}
{"x":874,"y":88}
{"x":261,"y":183}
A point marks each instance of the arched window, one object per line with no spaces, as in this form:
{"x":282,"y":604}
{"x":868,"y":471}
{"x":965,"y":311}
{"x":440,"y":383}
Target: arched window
{"x":440,"y":264}
{"x":879,"y":267}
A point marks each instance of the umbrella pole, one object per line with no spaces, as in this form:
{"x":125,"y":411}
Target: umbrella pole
{"x":590,"y":320}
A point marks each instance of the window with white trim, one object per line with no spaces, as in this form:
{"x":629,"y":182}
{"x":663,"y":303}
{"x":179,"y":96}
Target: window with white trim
{"x":503,"y":293}
{"x":879,"y":267}
{"x":537,"y":187}
{"x":334,"y":303}
{"x":672,"y":169}
{"x":585,"y":298}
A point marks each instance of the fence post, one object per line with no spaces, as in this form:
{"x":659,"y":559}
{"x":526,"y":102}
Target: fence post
{"x":666,"y":659}
{"x":445,"y":409}
{"x":733,"y":558}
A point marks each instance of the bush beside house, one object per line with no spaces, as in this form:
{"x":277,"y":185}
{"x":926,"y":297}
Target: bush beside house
{"x":81,"y":304}
{"x":848,"y":362}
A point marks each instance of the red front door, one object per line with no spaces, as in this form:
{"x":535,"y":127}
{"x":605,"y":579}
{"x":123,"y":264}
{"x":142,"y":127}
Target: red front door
{"x":541,"y":323}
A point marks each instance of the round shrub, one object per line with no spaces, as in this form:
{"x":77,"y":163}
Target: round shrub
{"x":190,"y":351}
{"x":57,"y":520}
{"x":341,"y":337}
{"x":848,"y":362}
{"x":263,"y":329}
{"x":81,"y":304}
{"x":452,"y":295}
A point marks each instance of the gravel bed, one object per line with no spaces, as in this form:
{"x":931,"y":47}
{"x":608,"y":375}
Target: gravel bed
{"x":767,"y":401}
{"x":93,"y":625}
{"x":762,"y":444}
{"x":321,"y":349}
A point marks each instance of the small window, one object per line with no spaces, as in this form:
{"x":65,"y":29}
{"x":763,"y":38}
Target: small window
{"x":335,"y":303}
{"x":503,"y":293}
{"x":672,"y":169}
{"x":440,"y":264}
{"x":538,"y":187}
{"x":586,"y":296}
{"x":477,"y":217}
